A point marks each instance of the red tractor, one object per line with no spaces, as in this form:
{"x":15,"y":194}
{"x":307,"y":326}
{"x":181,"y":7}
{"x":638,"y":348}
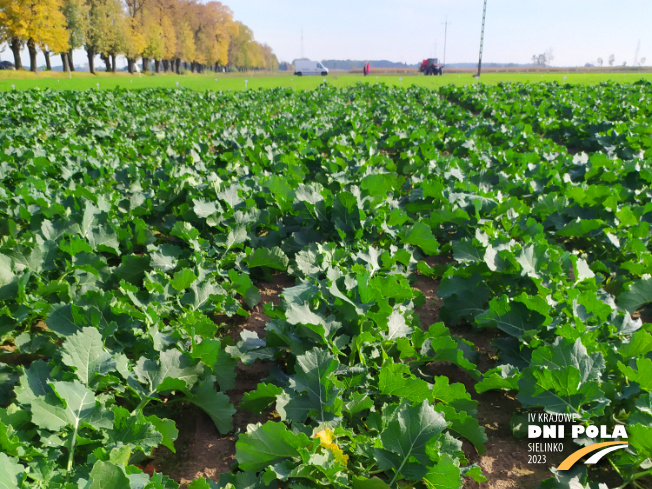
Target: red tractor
{"x":431,"y":66}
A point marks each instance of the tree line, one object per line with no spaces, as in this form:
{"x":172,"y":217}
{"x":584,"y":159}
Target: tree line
{"x":174,"y":34}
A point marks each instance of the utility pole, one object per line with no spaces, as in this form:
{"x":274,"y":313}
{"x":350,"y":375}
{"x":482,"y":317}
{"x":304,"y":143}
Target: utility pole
{"x":484,"y":15}
{"x":445,"y":36}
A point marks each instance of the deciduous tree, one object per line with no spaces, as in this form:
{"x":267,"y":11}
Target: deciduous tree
{"x":154,"y":44}
{"x":270,"y":59}
{"x":106,"y":29}
{"x":185,"y":44}
{"x":134,"y":43}
{"x":172,"y":31}
{"x":161,"y":13}
{"x":36,"y":23}
{"x":136,"y":36}
{"x":76,"y":14}
{"x":239,"y":50}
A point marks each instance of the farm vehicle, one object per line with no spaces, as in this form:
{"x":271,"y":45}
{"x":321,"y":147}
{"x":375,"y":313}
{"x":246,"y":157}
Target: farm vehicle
{"x":431,"y":66}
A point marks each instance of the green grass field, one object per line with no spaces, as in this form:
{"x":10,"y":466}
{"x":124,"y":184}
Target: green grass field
{"x":83,"y":81}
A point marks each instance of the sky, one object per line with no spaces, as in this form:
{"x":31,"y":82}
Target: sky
{"x":575,"y":31}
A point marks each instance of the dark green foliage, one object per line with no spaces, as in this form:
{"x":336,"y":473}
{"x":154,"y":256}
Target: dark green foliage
{"x":133,"y":223}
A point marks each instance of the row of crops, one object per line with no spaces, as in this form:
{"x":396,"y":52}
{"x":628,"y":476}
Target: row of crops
{"x":133,"y":222}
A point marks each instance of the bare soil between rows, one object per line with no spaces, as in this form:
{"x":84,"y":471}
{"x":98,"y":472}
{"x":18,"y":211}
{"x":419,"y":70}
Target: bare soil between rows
{"x":505,"y":460}
{"x":203,"y":452}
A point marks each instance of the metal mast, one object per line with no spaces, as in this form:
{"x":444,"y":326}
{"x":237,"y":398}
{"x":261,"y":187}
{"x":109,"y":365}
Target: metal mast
{"x":484,"y":15}
{"x":445,"y":36}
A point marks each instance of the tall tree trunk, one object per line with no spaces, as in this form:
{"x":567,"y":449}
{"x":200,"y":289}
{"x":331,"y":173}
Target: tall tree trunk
{"x":31,"y":47}
{"x":157,"y":65}
{"x":178,"y":66}
{"x":15,"y":49}
{"x":48,"y":65}
{"x":113,"y":58}
{"x":70,"y":61}
{"x":130,"y":65}
{"x":90,"y":52}
{"x":145,"y":64}
{"x":107,"y":62}
{"x":164,"y":62}
{"x":64,"y":61}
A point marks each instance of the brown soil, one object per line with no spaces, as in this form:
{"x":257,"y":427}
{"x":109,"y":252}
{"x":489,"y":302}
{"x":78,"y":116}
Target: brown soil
{"x":10,"y":355}
{"x":505,"y":461}
{"x":201,"y":450}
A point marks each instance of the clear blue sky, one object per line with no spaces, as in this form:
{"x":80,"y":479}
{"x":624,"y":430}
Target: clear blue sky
{"x":577,"y":31}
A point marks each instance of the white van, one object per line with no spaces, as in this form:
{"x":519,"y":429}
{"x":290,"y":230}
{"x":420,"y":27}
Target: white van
{"x":307,"y":67}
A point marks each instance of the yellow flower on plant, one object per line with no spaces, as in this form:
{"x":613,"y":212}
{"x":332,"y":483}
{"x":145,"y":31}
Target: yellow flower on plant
{"x":327,"y":441}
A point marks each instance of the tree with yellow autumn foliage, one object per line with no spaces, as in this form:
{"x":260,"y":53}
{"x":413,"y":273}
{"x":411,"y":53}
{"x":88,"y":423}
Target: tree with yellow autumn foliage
{"x":160,"y":14}
{"x":215,"y":31}
{"x":245,"y":53}
{"x":171,"y":33}
{"x":35,"y":23}
{"x":135,"y":35}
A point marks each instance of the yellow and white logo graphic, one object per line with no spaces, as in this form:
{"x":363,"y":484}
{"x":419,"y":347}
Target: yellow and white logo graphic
{"x":603,"y":449}
{"x":549,"y":434}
